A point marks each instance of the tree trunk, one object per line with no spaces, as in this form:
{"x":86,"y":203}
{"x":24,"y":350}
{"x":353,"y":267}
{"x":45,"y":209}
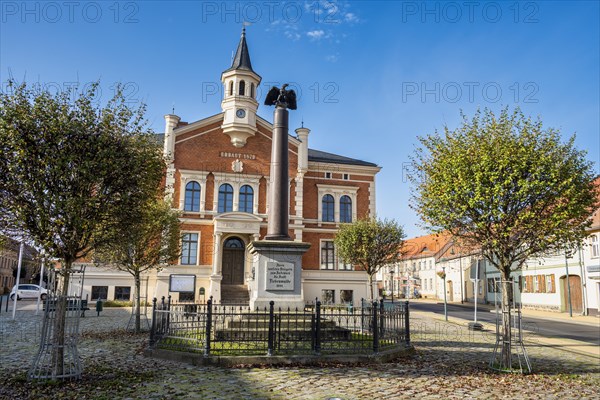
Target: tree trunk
{"x":371,"y":287}
{"x":136,"y":302}
{"x":58,"y":336}
{"x":506,"y":320}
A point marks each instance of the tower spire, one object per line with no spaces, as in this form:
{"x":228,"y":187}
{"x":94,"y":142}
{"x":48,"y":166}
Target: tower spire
{"x":241,"y":60}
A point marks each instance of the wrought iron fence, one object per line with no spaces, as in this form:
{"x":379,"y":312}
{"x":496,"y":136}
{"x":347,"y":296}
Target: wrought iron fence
{"x":217,"y":329}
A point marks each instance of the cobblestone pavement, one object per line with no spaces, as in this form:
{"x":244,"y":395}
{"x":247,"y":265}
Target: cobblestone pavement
{"x":450,"y":362}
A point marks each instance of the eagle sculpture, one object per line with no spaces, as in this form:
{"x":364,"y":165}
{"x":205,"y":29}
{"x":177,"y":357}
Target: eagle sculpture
{"x":281,"y":97}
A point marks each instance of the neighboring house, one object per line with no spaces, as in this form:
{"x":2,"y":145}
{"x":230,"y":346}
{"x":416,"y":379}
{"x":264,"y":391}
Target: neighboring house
{"x":9,"y":258}
{"x":218,"y":177}
{"x":456,"y":262}
{"x":416,"y":273}
{"x":590,"y":266}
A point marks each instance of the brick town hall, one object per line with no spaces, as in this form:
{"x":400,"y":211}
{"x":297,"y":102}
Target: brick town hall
{"x":218,"y":177}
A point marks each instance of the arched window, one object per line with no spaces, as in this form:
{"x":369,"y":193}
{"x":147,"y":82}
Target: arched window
{"x":225,"y":198}
{"x":252,"y":90}
{"x":234,"y":243}
{"x":231,"y":88}
{"x":192,"y":197}
{"x":345,"y":209}
{"x":246,"y":199}
{"x":242,"y":88}
{"x":328,"y":208}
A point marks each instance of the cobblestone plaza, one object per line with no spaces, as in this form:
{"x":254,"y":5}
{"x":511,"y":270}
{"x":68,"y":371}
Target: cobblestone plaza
{"x":450,"y":362}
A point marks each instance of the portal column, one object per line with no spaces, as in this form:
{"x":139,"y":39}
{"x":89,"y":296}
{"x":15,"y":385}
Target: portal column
{"x":216,"y":276}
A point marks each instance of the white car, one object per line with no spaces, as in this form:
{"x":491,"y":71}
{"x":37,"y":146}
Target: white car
{"x":28,"y":291}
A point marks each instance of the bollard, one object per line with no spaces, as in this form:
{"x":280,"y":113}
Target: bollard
{"x":406,"y":324}
{"x":99,"y":306}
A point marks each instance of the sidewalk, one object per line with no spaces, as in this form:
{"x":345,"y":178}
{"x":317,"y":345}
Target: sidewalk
{"x":549,"y":315}
{"x":569,"y":345}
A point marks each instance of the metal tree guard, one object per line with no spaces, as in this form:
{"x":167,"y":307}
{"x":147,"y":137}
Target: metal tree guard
{"x":144,"y":313}
{"x":47,"y":365}
{"x":512,"y":343}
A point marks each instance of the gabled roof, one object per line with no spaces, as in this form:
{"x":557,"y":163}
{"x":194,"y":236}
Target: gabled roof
{"x":242,"y":56}
{"x":324,"y":157}
{"x":425,"y":246}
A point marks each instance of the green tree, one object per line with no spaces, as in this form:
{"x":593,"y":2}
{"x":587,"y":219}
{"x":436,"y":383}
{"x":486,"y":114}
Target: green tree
{"x":370,"y":244}
{"x":71,"y":171}
{"x":150,"y":241}
{"x":507,"y":185}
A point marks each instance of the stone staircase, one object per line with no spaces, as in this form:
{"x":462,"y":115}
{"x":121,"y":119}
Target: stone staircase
{"x":288,"y":327}
{"x":235,"y":294}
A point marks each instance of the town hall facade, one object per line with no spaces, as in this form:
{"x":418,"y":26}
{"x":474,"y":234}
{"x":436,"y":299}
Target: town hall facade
{"x":218,"y":178}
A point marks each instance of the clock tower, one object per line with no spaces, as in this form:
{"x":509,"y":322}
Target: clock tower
{"x":239,"y":101}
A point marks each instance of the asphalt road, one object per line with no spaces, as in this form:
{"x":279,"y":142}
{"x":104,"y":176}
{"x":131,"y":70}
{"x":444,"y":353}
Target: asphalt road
{"x":543,"y":327}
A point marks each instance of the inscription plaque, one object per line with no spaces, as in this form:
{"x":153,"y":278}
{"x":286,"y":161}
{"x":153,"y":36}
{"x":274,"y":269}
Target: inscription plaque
{"x":280,"y":276}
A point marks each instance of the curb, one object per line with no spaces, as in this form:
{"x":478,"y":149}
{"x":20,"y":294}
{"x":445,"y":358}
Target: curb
{"x":549,"y":316}
{"x":197,"y":359}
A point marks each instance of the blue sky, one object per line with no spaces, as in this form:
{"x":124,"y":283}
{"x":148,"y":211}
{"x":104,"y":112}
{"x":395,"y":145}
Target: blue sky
{"x":371,"y":76}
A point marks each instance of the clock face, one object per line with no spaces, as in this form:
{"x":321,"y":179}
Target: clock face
{"x":241,"y":113}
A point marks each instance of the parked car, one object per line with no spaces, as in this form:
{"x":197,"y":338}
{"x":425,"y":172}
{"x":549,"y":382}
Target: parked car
{"x":28,"y":291}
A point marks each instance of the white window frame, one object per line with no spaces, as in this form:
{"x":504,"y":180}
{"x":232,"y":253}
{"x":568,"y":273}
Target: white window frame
{"x":187,"y":177}
{"x":338,"y":264}
{"x":337,"y":192}
{"x":536,"y":284}
{"x":549,"y":286}
{"x":321,"y":265}
{"x":594,"y":246}
{"x":236,"y":181}
{"x":197,"y":248}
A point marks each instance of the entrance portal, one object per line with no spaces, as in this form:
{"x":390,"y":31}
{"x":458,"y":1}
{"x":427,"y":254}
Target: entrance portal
{"x":233,"y":262}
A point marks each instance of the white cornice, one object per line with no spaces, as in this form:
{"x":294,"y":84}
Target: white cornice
{"x":198,"y":124}
{"x":314,"y":166}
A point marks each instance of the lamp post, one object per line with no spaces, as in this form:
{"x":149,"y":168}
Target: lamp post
{"x":445,"y":302}
{"x":392,"y":279}
{"x":462,"y":278}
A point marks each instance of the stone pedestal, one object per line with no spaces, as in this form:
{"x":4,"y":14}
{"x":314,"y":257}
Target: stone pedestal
{"x":277,"y":268}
